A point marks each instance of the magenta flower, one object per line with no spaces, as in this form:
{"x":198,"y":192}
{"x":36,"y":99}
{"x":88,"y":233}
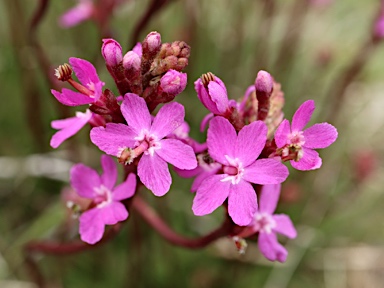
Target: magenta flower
{"x":212,"y":93}
{"x":237,"y":154}
{"x":69,"y":127}
{"x":107,"y":210}
{"x":297,"y":144}
{"x":268,"y":224}
{"x":90,"y":88}
{"x":81,"y":12}
{"x":145,"y":137}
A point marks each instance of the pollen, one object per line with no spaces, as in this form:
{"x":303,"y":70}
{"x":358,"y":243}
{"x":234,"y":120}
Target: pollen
{"x":63,"y":72}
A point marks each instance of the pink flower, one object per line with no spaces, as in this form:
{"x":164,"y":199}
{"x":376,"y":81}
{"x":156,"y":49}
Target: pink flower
{"x":108,"y":210}
{"x":145,"y":137}
{"x":212,"y":93}
{"x":69,"y":127}
{"x":237,"y":154}
{"x":268,"y":224}
{"x":297,"y":144}
{"x":90,"y":88}
{"x":81,"y":12}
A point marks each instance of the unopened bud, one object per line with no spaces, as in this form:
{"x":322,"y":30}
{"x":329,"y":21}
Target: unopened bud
{"x":112,"y":52}
{"x":264,"y":88}
{"x":131,"y":61}
{"x":63,"y":72}
{"x":152,"y":42}
{"x":173,"y":82}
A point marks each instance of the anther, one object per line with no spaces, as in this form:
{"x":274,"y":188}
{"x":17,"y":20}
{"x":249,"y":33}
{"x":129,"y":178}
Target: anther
{"x":206,"y":78}
{"x":63,"y":72}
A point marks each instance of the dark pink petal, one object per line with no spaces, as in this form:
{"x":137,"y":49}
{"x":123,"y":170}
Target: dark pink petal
{"x":242,"y":203}
{"x":72,"y":98}
{"x":210,"y":195}
{"x":85,"y":71}
{"x":266,"y":171}
{"x":69,"y":127}
{"x":269,"y":198}
{"x":84,"y":180}
{"x":113,"y":213}
{"x":248,"y":92}
{"x":138,"y":49}
{"x":282,"y":132}
{"x":113,"y":138}
{"x":205,"y":121}
{"x":202,"y":176}
{"x":270,"y":248}
{"x":221,"y":139}
{"x":218,"y":95}
{"x":188,"y":173}
{"x":302,"y":115}
{"x":309,"y":161}
{"x":109,"y":177}
{"x":250,"y":142}
{"x":77,"y":14}
{"x":154,"y":173}
{"x":135,"y":111}
{"x":126,"y":189}
{"x":91,"y":226}
{"x":319,"y":136}
{"x":177,"y":153}
{"x":169,"y":117}
{"x":284,"y":226}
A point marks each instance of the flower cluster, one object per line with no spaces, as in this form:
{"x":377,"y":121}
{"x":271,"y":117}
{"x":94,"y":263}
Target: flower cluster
{"x":247,"y":140}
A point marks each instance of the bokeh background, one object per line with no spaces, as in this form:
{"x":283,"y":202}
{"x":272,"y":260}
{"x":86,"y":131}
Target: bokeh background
{"x":321,"y":50}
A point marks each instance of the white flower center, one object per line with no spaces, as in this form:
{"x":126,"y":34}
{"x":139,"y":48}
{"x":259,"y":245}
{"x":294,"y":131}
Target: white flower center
{"x":264,"y":223}
{"x":296,"y":139}
{"x":103,"y":196}
{"x":235,"y":170}
{"x":149,"y":141}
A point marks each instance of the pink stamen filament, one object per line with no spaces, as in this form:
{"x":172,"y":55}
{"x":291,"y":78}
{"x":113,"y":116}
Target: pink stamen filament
{"x":230,"y":170}
{"x":80,"y":88}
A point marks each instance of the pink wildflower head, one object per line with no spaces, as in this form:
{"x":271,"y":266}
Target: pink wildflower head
{"x":238,"y":156}
{"x":112,"y":52}
{"x":81,"y":12}
{"x":297,"y":144}
{"x":90,"y":89}
{"x":144,"y":138}
{"x":69,"y":127}
{"x":107,"y":210}
{"x":173,"y":82}
{"x":268,"y":224}
{"x":212,"y":93}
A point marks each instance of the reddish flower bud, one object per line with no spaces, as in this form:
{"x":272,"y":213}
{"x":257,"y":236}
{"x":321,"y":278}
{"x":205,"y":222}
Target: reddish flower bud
{"x":264,"y":87}
{"x":152,"y":42}
{"x":131,"y":61}
{"x":173,"y":82}
{"x":112,"y":52}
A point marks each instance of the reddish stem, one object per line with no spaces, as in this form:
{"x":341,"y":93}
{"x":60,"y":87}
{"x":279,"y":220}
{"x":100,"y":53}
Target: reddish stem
{"x":154,"y":220}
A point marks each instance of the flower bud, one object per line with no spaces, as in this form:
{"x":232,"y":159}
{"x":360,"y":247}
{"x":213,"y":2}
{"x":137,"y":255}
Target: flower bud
{"x":138,"y":49}
{"x":131,"y":61}
{"x":212,"y":93}
{"x":264,"y":88}
{"x":173,"y":82}
{"x":152,"y":43}
{"x":112,"y":52}
{"x":132,"y":71}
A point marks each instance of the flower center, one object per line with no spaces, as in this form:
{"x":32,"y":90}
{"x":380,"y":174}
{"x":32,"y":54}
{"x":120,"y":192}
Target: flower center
{"x":264,"y":223}
{"x":296,"y":139}
{"x":234,"y":170}
{"x":103,"y":196}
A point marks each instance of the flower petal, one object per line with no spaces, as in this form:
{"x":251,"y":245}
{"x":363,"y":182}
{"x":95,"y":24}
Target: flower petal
{"x":113,"y":138}
{"x":250,"y":142}
{"x":320,"y":135}
{"x":72,"y":98}
{"x":202,"y":176}
{"x":269,"y":198}
{"x":69,"y":128}
{"x":266,"y":171}
{"x":169,"y":117}
{"x":154,"y":173}
{"x":177,"y":153}
{"x":218,"y":95}
{"x":85,"y":71}
{"x":204,"y":97}
{"x":113,"y":213}
{"x":210,"y":195}
{"x":77,"y":14}
{"x":242,"y":203}
{"x":282,"y":132}
{"x":109,"y":177}
{"x":284,"y":226}
{"x":309,"y":161}
{"x":221,"y":139}
{"x":302,"y":115}
{"x":270,"y":248}
{"x":205,"y":121}
{"x":126,"y":189}
{"x":84,"y":180}
{"x":135,"y":111}
{"x":91,"y":227}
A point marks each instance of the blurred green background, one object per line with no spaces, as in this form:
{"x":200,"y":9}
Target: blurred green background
{"x":316,"y":50}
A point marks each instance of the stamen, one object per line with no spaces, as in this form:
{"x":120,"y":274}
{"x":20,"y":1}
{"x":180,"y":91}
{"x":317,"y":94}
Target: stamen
{"x":206,"y":78}
{"x":63,"y":72}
